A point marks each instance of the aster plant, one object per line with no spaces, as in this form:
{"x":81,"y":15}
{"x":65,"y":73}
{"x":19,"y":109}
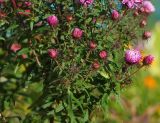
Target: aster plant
{"x":79,"y":51}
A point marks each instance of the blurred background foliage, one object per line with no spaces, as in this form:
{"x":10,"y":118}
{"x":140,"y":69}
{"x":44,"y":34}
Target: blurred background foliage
{"x":137,"y":103}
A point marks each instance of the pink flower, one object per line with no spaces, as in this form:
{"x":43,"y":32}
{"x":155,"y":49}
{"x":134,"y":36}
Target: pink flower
{"x":131,"y":3}
{"x":147,"y":35}
{"x":96,"y":65}
{"x":1,"y":1}
{"x":15,"y":47}
{"x":27,"y":3}
{"x":115,"y":15}
{"x":86,"y":2}
{"x":133,"y":56}
{"x":148,"y":7}
{"x":53,"y":53}
{"x":103,"y":54}
{"x":148,"y":60}
{"x":24,"y":56}
{"x":52,"y":20}
{"x":92,"y":45}
{"x":77,"y":33}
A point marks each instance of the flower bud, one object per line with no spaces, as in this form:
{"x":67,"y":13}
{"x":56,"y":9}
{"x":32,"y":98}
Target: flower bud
{"x":53,"y":53}
{"x":143,"y":23}
{"x":147,"y":35}
{"x":27,"y":3}
{"x":69,"y":18}
{"x":96,"y":65}
{"x":77,"y":33}
{"x":52,"y":20}
{"x":115,"y":15}
{"x":103,"y":54}
{"x":148,"y":60}
{"x":92,"y":45}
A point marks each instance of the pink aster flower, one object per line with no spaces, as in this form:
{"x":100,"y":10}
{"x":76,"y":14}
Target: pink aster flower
{"x":131,"y":3}
{"x":52,"y":20}
{"x":133,"y":56}
{"x":86,"y":2}
{"x":148,"y":7}
{"x":53,"y":53}
{"x":77,"y":33}
{"x":15,"y":47}
{"x":148,"y":60}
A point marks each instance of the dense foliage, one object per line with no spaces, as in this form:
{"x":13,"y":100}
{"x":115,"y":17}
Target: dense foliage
{"x":77,"y":51}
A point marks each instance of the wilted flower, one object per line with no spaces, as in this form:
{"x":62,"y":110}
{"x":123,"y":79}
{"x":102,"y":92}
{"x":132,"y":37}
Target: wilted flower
{"x":148,"y":60}
{"x":52,"y":20}
{"x":133,"y":56}
{"x":77,"y":33}
{"x":15,"y":47}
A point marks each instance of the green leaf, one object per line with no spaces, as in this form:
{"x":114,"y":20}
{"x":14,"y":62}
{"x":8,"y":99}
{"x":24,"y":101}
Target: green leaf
{"x":24,"y":51}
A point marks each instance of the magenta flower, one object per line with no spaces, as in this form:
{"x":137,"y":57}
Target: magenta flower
{"x":131,"y":3}
{"x":53,"y":53}
{"x":148,"y":60}
{"x":77,"y":33}
{"x":15,"y":47}
{"x":52,"y":20}
{"x":103,"y":54}
{"x":133,"y":56}
{"x":148,"y":7}
{"x":115,"y":15}
{"x":86,"y":2}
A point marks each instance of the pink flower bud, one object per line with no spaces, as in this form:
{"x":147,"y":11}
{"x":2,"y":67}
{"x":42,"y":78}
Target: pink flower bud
{"x":77,"y":33}
{"x":52,"y":20}
{"x":24,"y":56}
{"x":115,"y":15}
{"x":133,"y":56}
{"x":27,"y":3}
{"x":92,"y":45}
{"x":143,"y":23}
{"x":15,"y":47}
{"x":147,"y":35}
{"x":53,"y":53}
{"x":96,"y":65}
{"x":148,"y":60}
{"x":103,"y":54}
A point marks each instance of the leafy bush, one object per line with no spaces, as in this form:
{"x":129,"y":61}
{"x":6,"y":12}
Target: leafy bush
{"x":78,"y":51}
